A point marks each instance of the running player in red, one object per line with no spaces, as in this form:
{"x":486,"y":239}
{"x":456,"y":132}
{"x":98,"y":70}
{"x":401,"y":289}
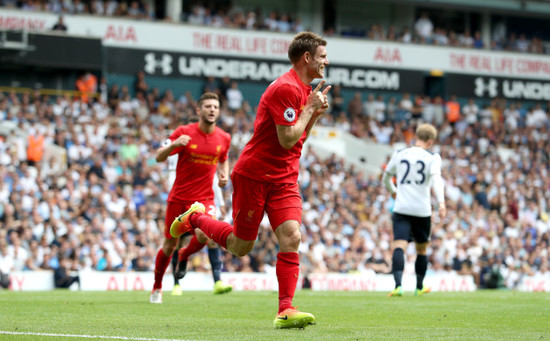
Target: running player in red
{"x":202,"y":149}
{"x":266,"y":174}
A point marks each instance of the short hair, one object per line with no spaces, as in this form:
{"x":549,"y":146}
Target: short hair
{"x":426,"y":132}
{"x":207,"y":95}
{"x":304,"y":42}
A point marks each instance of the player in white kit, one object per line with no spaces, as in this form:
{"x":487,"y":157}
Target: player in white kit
{"x":417,"y":170}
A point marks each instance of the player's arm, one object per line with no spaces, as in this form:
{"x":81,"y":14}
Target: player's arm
{"x":169,"y":146}
{"x":219,"y":201}
{"x":390,"y":186}
{"x":223,"y":173}
{"x":438,"y":187}
{"x":315,"y":118}
{"x":389,"y":173}
{"x":290,"y":134}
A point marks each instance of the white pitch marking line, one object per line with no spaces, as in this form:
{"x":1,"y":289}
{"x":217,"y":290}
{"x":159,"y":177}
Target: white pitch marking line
{"x":88,"y":336}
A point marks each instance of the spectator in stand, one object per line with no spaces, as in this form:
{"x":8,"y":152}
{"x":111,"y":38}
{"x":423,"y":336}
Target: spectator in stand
{"x":60,"y":25}
{"x":135,"y":11}
{"x":538,"y":117}
{"x":283,"y":24}
{"x":404,"y":109}
{"x":466,"y":39}
{"x":424,"y":27}
{"x":234,"y":97}
{"x":522,"y":44}
{"x":336,"y":100}
{"x":478,"y":41}
{"x":355,"y":105}
{"x":453,"y":39}
{"x":512,"y":44}
{"x":380,"y":109}
{"x":271,"y":23}
{"x":440,"y":37}
{"x":297,"y":25}
{"x":406,"y":36}
{"x":210,"y":85}
{"x":35,"y":147}
{"x":140,"y":85}
{"x":470,"y":112}
{"x":97,"y":7}
{"x":369,"y":107}
{"x":251,"y":20}
{"x":452,"y":108}
{"x":511,"y":118}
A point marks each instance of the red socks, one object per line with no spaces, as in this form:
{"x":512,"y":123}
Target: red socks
{"x":194,"y":246}
{"x":288,"y":271}
{"x":161,"y":263}
{"x":216,"y":230}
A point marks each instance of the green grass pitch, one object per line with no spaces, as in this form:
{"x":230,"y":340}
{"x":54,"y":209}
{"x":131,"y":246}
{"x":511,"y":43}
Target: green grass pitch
{"x":73,"y":315}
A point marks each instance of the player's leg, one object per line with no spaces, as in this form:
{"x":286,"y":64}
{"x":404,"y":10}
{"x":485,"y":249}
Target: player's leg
{"x":401,"y":235}
{"x":164,"y":254}
{"x":421,"y":234}
{"x":194,"y":246}
{"x":177,"y":288}
{"x":288,"y":270}
{"x":215,"y":261}
{"x":248,"y":211}
{"x":214,"y":254}
{"x":284,"y":210}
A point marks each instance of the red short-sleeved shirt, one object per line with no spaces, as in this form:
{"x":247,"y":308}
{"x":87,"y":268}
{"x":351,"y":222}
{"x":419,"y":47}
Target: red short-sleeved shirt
{"x":197,"y":163}
{"x":263,"y":158}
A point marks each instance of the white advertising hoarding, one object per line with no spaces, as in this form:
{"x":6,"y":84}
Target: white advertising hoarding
{"x":196,"y":281}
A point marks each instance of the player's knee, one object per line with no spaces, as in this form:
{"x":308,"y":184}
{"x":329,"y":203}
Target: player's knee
{"x":244,"y":248}
{"x":421,"y":248}
{"x":169,"y":246}
{"x":201,"y":237}
{"x":290,"y":240}
{"x":243,"y":251}
{"x":399,"y":244}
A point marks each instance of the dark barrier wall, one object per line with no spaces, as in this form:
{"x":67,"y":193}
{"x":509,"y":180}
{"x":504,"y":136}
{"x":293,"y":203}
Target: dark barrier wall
{"x":162,"y":64}
{"x":490,"y":87}
{"x":58,"y":51}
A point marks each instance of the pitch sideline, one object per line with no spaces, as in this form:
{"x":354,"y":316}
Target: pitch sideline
{"x":5,"y":332}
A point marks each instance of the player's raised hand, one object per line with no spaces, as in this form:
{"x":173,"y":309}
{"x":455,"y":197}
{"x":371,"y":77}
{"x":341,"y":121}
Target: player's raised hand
{"x":325,"y":99}
{"x":181,"y":141}
{"x":317,"y":98}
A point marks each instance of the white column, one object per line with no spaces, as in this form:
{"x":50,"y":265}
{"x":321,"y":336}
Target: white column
{"x":311,"y":13}
{"x":486,"y":29}
{"x":173,"y":10}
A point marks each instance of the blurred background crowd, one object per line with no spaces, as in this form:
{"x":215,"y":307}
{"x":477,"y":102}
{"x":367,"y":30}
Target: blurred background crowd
{"x":102,"y":206}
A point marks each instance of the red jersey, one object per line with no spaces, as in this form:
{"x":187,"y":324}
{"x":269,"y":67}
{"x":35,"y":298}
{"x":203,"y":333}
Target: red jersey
{"x":197,"y":162}
{"x":263,"y":158}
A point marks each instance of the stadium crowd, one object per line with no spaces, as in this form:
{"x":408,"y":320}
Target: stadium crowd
{"x":422,"y":31}
{"x":101,"y":204}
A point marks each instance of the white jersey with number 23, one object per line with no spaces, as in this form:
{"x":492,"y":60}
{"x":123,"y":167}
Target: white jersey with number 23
{"x":414,"y":169}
